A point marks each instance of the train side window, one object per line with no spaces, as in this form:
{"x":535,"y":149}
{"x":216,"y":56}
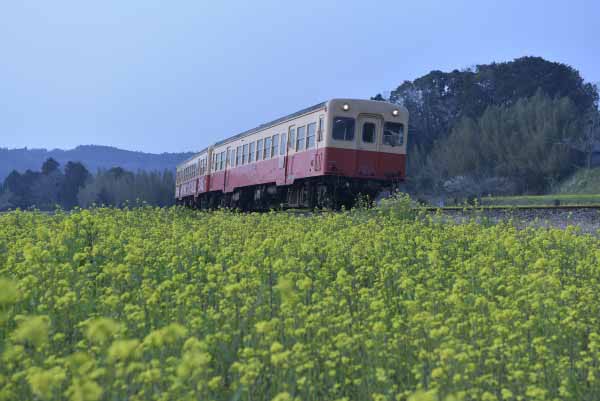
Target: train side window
{"x":251,"y":152}
{"x":283,"y":144}
{"x":343,"y":129}
{"x":300,"y":138}
{"x":238,"y":156}
{"x":393,"y":134}
{"x":310,"y":135}
{"x":259,"y":149}
{"x":222,"y":161}
{"x":245,"y":154}
{"x":275,"y":145}
{"x":292,"y":140}
{"x":368,"y":132}
{"x":267,"y":153}
{"x":320,"y":130}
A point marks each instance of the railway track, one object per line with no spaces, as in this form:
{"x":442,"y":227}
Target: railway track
{"x":510,"y":207}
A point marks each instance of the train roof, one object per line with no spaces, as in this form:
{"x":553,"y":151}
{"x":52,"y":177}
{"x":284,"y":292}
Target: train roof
{"x":272,"y":123}
{"x":260,"y":127}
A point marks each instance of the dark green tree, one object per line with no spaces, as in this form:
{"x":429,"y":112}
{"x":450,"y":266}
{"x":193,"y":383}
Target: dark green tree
{"x":527,"y":143}
{"x":118,"y":187}
{"x":76,"y":175}
{"x":50,"y":166}
{"x":439,"y":100}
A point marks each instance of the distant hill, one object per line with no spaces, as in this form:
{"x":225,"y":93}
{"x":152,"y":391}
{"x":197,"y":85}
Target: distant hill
{"x":92,"y":156}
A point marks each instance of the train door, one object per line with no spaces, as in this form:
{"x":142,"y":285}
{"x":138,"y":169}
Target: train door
{"x":227,"y":164}
{"x":281,"y":157}
{"x":290,"y":149}
{"x":367,"y":145}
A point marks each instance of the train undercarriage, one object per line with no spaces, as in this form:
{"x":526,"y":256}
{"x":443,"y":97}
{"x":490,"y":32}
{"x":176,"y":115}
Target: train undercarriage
{"x":328,"y":192}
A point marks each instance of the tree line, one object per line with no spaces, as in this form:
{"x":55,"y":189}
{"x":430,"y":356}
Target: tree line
{"x":501,"y":128}
{"x":74,"y":186}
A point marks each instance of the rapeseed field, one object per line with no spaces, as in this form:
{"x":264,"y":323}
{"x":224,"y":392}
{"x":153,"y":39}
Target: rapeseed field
{"x":382,"y":304}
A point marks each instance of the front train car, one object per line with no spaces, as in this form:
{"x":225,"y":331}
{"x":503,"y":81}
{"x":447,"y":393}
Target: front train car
{"x":362,"y":152}
{"x":366,"y":140}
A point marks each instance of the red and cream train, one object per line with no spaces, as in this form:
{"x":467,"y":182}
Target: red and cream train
{"x":321,"y":156}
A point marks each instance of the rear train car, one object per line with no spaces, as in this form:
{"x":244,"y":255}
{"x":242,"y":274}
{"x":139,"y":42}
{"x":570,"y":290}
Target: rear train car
{"x":321,"y":156}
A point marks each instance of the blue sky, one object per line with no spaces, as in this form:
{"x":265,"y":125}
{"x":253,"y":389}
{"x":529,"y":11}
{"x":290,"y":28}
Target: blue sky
{"x":163,"y":76}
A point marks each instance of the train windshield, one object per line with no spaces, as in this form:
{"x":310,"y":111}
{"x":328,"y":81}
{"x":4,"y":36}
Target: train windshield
{"x":343,"y":129}
{"x":393,"y":134}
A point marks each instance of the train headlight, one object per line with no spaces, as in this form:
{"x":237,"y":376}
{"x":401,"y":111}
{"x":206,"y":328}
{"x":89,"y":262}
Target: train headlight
{"x":346,"y":107}
{"x":395,"y":112}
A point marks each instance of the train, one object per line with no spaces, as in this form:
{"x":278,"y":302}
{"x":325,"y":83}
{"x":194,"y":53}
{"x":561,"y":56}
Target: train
{"x":324,"y":156}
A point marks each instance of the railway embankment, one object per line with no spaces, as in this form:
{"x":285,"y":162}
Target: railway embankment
{"x":587,"y":219}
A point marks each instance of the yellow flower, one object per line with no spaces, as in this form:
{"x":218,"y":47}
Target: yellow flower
{"x":33,"y":329}
{"x":43,"y":382}
{"x":9,"y":294}
{"x":100,"y":330}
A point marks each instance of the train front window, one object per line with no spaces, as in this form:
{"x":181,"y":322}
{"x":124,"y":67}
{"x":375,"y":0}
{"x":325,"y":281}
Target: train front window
{"x":368,"y":133}
{"x":343,"y":129}
{"x":393,"y":134}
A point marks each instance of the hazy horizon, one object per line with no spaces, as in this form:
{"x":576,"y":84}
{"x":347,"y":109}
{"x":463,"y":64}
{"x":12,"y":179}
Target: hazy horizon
{"x":145,"y":77}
